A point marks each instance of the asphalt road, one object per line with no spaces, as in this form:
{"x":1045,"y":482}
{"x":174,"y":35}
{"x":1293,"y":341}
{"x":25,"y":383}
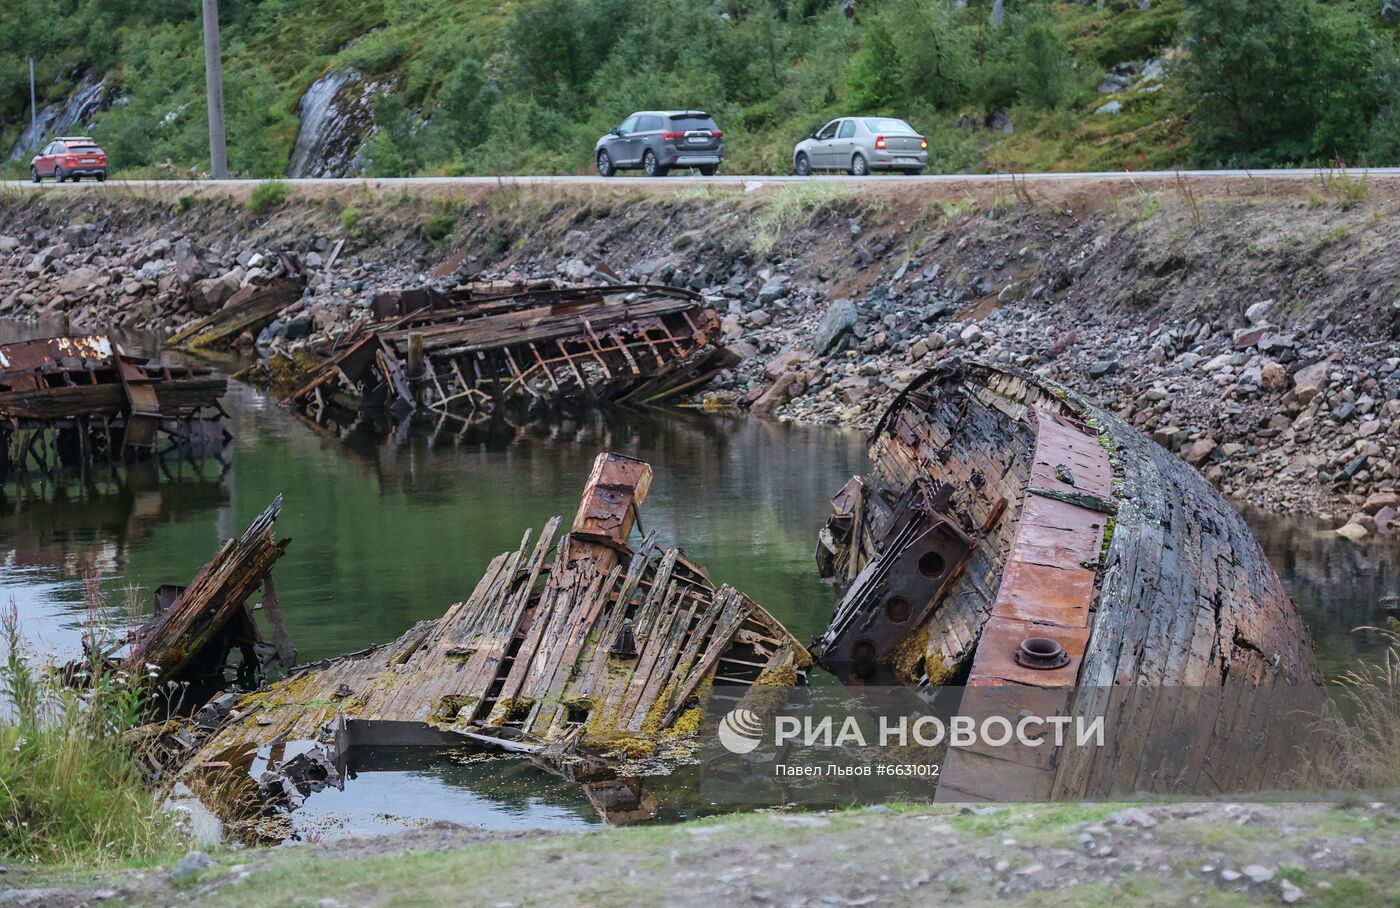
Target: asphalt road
{"x":738,"y":180}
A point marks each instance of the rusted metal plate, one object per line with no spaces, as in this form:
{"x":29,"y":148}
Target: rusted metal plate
{"x":1052,"y":594}
{"x":1002,"y":638}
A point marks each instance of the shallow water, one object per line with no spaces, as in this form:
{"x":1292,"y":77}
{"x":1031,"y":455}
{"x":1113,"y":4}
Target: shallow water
{"x":390,"y":527}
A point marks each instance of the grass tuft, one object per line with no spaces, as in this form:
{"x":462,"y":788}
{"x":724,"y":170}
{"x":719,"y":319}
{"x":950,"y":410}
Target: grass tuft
{"x":267,"y":196}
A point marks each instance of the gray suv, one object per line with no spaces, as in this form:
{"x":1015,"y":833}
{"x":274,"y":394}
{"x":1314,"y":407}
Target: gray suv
{"x":657,"y":140}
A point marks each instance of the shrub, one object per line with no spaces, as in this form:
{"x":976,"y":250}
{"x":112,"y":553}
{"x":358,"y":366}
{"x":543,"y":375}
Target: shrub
{"x":438,"y":227}
{"x":267,"y":196}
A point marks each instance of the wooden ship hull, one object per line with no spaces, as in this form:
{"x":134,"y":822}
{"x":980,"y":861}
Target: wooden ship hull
{"x":1016,"y":542}
{"x":472,"y":351}
{"x":581,"y":653}
{"x":74,"y":401}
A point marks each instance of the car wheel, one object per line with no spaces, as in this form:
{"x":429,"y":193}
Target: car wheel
{"x":34,"y":173}
{"x":102,"y":177}
{"x":605,"y":164}
{"x":859,"y":166}
{"x":804,"y":166}
{"x":651,"y":165}
{"x":58,"y":175}
{"x":76,"y":178}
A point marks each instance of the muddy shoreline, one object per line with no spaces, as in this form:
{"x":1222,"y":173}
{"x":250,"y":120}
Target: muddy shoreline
{"x":1252,"y":333}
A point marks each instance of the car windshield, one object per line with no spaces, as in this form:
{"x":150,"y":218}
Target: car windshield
{"x":692,"y":121}
{"x":888,"y":125}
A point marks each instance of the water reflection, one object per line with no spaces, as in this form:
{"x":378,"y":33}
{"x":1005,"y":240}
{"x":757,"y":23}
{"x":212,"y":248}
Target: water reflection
{"x":390,"y":526}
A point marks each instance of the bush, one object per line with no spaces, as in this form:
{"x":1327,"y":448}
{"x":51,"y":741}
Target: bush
{"x":70,"y":787}
{"x":350,"y":219}
{"x":267,"y":196}
{"x":438,"y":227}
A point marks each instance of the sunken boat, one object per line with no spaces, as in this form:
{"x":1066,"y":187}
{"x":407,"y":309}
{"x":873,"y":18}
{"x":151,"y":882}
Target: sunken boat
{"x":82,"y":400}
{"x":471,"y":351}
{"x":1030,"y":554}
{"x":578,"y":652}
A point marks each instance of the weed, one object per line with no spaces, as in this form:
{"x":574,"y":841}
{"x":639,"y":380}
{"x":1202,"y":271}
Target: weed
{"x":440,"y":225}
{"x":1188,"y":192}
{"x":351,"y":219}
{"x":185,"y":203}
{"x":1349,"y":190}
{"x":791,"y":206}
{"x":268,"y":195}
{"x":71,"y":783}
{"x":1371,"y":738}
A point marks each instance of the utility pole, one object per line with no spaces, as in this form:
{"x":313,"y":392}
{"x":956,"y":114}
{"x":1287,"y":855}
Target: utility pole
{"x":33,"y":112}
{"x":214,"y":85}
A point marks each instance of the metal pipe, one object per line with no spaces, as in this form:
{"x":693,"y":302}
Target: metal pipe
{"x":214,"y":87}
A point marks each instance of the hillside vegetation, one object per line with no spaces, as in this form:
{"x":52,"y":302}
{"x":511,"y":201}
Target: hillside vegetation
{"x":475,"y":86}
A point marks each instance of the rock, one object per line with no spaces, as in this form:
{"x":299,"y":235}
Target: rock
{"x":1258,"y":313}
{"x":80,"y":236}
{"x":731,"y":326}
{"x":9,"y":244}
{"x":784,"y":362}
{"x":77,"y":281}
{"x":840,"y":317}
{"x":1199,"y":451}
{"x":1133,"y":816}
{"x":1390,"y":10}
{"x":1310,"y":381}
{"x":191,"y":864}
{"x":313,"y":260}
{"x":758,"y":318}
{"x":1257,"y":873}
{"x":771,"y":292}
{"x":1063,"y":343}
{"x":1352,"y":531}
{"x":1112,"y":107}
{"x":574,"y":241}
{"x":1216,"y":363}
{"x":1379,"y":501}
{"x":777,"y":394}
{"x":853,"y":388}
{"x":1245,"y":338}
{"x":971,"y":334}
{"x":211,"y":293}
{"x":1102,"y":368}
{"x":1368,"y":428}
{"x":1273,"y":377}
{"x":1290,"y":894}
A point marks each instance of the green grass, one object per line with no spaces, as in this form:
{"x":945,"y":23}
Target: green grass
{"x":791,"y":206}
{"x":70,"y":789}
{"x":267,"y":196}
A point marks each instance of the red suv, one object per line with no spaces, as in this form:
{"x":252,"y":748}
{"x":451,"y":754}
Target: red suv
{"x":68,"y":157}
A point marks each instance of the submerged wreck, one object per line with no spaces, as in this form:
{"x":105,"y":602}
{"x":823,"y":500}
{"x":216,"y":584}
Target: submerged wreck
{"x":80,"y":401}
{"x":472,"y":350}
{"x":1016,"y":540}
{"x":580,"y":652}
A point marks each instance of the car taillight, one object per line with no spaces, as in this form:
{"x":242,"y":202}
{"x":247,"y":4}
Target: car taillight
{"x":923,"y":143}
{"x":879,"y":141}
{"x":717,"y":133}
{"x":672,"y":135}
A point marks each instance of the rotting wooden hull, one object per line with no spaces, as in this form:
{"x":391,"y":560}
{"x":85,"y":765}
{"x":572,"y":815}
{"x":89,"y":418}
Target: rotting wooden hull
{"x":1140,"y":591}
{"x":579,"y":655}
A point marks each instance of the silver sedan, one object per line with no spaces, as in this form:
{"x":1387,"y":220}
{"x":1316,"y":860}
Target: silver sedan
{"x":859,"y":145}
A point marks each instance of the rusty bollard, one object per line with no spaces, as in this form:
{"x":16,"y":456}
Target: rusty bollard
{"x":416,"y":366}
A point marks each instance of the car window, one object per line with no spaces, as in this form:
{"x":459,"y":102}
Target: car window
{"x":829,"y":130}
{"x":649,"y":124}
{"x":85,"y":149}
{"x":57,"y":148}
{"x":848,"y":129}
{"x":888,"y":125}
{"x":692,"y":121}
{"x":628,"y":125}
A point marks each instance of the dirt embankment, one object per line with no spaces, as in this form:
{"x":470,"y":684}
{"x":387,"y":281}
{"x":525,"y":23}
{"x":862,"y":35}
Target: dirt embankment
{"x":1253,"y":330}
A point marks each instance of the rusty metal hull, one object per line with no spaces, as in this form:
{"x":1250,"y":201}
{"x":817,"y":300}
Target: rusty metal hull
{"x":468,"y":354}
{"x":75,"y":401}
{"x":579,"y":652}
{"x":1070,"y":558}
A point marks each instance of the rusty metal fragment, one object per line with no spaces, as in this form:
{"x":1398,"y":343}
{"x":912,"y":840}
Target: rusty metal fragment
{"x":74,"y":401}
{"x":1082,"y":570}
{"x":540,"y":345}
{"x":527,"y":664}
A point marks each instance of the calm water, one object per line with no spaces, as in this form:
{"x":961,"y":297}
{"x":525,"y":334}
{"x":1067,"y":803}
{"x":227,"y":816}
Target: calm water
{"x":389,"y":528}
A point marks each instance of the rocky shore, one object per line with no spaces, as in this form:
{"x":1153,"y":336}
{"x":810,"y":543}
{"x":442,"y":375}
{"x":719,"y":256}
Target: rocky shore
{"x":1257,"y":338}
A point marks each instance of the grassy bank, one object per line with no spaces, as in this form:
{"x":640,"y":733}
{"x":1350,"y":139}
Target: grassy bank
{"x":71,"y":791}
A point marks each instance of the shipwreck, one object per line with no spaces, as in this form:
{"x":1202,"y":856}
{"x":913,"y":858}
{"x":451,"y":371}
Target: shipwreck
{"x":472,"y":350}
{"x":1018,"y":544}
{"x":81,"y":401}
{"x":578,"y":651}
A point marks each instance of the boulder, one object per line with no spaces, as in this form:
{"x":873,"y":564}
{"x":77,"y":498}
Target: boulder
{"x":1273,"y":377}
{"x":1379,"y":501}
{"x":784,"y":362}
{"x":1310,"y":381}
{"x":1199,"y":451}
{"x":77,"y":281}
{"x":1258,"y":313}
{"x":840,"y":317}
{"x":776,"y":395}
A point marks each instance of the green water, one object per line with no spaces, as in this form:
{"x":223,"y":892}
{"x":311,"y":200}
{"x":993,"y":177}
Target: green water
{"x":390,"y":527}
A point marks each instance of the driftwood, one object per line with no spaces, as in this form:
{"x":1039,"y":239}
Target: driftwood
{"x":191,"y":636}
{"x":1013,"y":538}
{"x":251,"y":309}
{"x":469,"y":353}
{"x":569,"y":651}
